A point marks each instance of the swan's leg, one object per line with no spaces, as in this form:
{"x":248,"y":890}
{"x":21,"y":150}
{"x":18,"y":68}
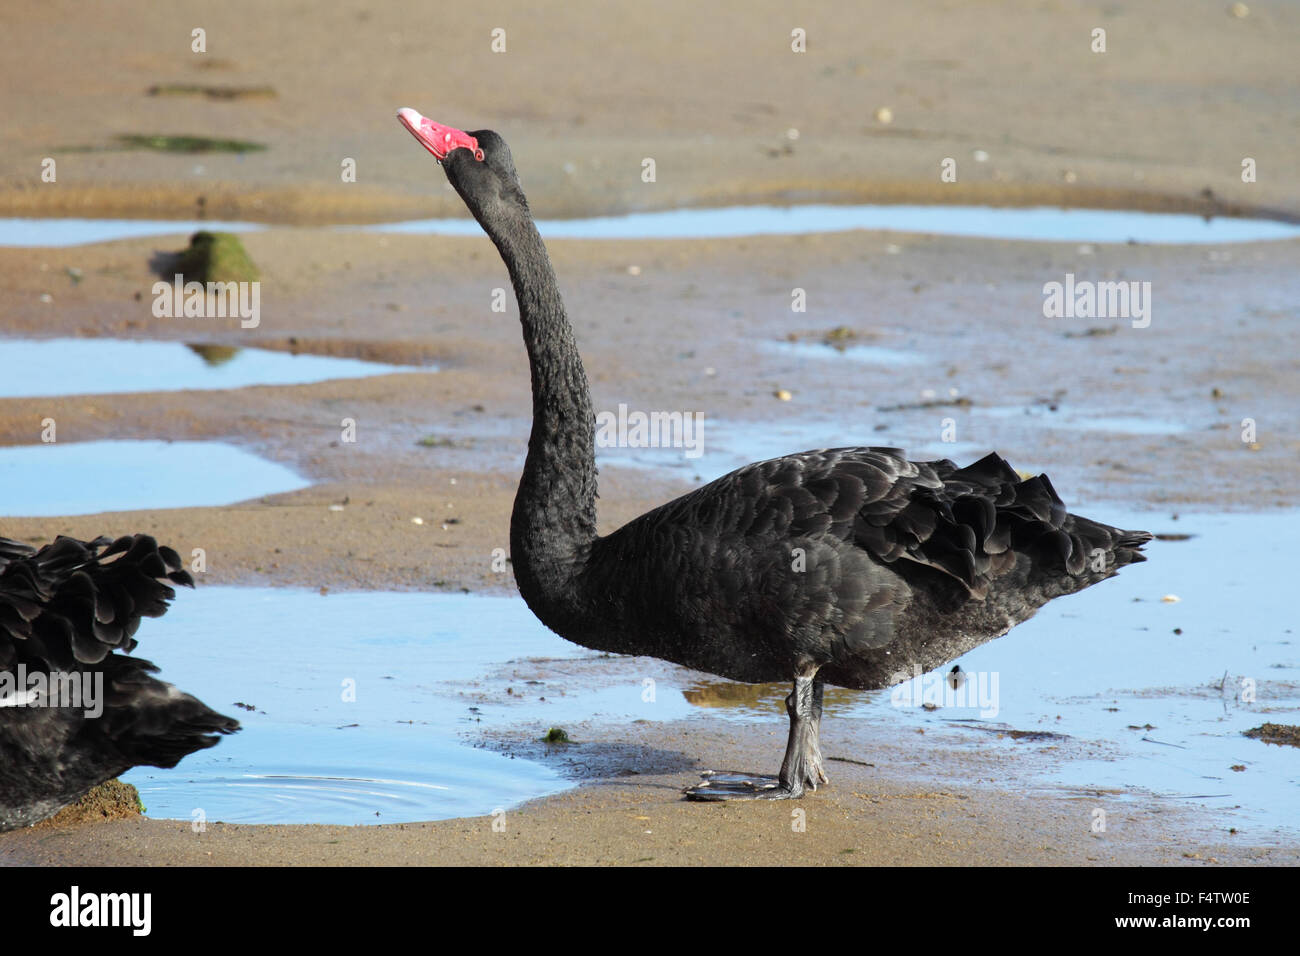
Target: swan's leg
{"x":802,"y":767}
{"x":816,"y":765}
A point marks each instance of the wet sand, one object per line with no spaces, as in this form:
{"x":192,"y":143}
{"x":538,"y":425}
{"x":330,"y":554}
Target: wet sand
{"x":1183,"y":92}
{"x":929,"y":800}
{"x":1144,"y":130}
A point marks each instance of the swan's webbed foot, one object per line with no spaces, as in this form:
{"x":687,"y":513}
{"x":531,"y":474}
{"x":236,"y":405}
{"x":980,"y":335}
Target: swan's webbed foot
{"x":726,"y":785}
{"x":803,"y":768}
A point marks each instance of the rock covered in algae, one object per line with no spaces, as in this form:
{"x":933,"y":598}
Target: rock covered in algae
{"x":216,"y":257}
{"x":111,"y":800}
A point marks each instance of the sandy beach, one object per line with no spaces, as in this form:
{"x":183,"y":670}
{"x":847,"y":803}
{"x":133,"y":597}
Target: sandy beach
{"x":1011,"y":90}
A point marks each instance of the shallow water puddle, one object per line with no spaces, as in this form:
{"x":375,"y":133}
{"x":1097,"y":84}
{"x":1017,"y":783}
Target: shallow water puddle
{"x":428,"y":672}
{"x":72,"y":478}
{"x":820,"y":352}
{"x":1040,"y":223}
{"x":360,"y":701}
{"x":39,"y":367}
{"x":77,"y":232}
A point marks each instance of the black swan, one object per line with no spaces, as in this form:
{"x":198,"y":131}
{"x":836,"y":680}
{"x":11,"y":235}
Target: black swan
{"x":848,"y":566}
{"x":75,"y":710}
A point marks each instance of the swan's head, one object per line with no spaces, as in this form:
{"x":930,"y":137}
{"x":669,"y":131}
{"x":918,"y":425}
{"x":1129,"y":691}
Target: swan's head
{"x":478,"y":164}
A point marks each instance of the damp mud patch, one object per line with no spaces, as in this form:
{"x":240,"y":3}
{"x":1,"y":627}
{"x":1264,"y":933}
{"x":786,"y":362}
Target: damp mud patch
{"x":185,"y":144}
{"x":213,"y":92}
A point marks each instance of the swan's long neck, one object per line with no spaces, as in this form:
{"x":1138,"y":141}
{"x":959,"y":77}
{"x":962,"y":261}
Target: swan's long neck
{"x":554,"y":520}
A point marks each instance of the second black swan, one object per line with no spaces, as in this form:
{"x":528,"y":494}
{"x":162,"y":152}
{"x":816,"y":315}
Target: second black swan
{"x":848,"y":566}
{"x":76,"y":708}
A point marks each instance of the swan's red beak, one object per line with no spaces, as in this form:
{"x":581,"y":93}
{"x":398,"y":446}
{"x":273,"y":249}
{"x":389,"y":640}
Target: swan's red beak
{"x":436,"y":138}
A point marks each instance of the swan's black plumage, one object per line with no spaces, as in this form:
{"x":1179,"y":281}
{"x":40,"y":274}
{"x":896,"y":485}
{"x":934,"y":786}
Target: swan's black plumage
{"x":847,"y":565}
{"x":73,"y":608}
{"x":852,"y":560}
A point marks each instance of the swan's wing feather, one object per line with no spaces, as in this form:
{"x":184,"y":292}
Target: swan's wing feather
{"x":966,"y":523}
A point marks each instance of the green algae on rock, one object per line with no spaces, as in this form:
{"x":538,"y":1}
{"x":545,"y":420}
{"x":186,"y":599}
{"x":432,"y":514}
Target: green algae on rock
{"x":110,"y":800}
{"x":216,"y":257}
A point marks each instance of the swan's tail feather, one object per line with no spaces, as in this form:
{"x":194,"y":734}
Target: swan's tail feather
{"x":1122,"y":546}
{"x":153,"y":723}
{"x":992,"y":513}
